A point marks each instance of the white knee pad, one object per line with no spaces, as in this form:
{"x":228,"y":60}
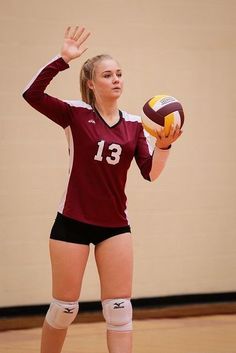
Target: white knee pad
{"x":118,"y":314}
{"x":61,"y":314}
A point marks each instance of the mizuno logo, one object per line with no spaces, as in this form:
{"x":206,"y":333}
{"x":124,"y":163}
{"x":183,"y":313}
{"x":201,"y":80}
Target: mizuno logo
{"x":118,"y":305}
{"x":68,"y":311}
{"x":91,"y":121}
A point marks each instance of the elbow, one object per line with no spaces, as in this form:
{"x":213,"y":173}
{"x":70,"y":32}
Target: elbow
{"x":25,"y":95}
{"x":29,"y":94}
{"x":31,"y":97}
{"x":153,"y":176}
{"x":157,"y":167}
{"x":146,"y":175}
{"x":156,"y":171}
{"x":151,"y":179}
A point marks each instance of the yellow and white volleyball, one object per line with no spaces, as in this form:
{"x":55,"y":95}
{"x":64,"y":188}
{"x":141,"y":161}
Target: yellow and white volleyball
{"x":162,"y":111}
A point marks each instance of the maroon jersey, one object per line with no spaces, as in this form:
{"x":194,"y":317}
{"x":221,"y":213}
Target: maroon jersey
{"x":100,"y":155}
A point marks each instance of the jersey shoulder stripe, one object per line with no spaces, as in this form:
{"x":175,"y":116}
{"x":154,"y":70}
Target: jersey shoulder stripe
{"x":131,"y":117}
{"x":78,"y":104}
{"x":39,"y":71}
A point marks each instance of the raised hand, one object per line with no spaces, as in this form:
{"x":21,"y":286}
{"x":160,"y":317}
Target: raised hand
{"x":74,"y":39}
{"x":164,"y":141}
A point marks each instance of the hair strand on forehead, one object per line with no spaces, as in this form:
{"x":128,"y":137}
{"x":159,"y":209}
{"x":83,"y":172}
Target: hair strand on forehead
{"x":86,"y":74}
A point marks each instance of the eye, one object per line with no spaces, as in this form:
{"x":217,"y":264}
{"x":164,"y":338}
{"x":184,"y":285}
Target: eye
{"x":107,"y":75}
{"x":119,"y":74}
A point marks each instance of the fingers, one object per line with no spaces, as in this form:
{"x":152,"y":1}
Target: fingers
{"x":176,"y":133}
{"x":82,"y":38}
{"x":77,"y":34}
{"x":164,"y":140}
{"x":161,"y":133}
{"x":67,"y":32}
{"x":70,"y":33}
{"x":72,"y":47}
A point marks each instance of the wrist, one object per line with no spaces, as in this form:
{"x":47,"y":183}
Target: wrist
{"x":66,"y":58}
{"x":163,"y":148}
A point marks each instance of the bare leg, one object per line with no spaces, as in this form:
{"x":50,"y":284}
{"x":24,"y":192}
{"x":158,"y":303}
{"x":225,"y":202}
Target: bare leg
{"x":114,"y":258}
{"x":118,"y":342}
{"x":68,"y":264}
{"x":52,"y":339}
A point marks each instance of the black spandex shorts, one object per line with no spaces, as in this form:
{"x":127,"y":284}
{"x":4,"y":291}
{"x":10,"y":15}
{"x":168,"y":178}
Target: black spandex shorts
{"x":73,"y":231}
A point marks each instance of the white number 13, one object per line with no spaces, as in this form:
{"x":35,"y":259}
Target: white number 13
{"x":115,"y":149}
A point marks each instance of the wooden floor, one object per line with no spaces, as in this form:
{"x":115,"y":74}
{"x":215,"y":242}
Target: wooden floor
{"x":203,"y":334}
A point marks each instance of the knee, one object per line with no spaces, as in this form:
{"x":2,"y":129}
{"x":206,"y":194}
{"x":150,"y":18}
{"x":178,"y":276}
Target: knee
{"x":61,"y":314}
{"x":118,"y":314}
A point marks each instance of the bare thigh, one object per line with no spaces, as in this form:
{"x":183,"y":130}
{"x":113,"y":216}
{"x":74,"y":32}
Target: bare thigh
{"x":114,"y":258}
{"x":68,"y":261}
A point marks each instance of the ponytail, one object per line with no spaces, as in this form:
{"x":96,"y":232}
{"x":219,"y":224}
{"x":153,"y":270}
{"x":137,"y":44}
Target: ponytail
{"x":86,"y":74}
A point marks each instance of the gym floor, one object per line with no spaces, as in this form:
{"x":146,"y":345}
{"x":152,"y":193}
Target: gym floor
{"x":202,"y":334}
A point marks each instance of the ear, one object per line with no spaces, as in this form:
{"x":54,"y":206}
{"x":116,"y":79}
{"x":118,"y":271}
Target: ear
{"x":90,"y":84}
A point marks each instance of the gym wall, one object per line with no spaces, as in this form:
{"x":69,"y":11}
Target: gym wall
{"x":183,"y":224}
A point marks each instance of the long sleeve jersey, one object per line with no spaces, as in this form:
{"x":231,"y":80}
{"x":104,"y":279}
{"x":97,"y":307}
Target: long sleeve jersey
{"x":100,"y":155}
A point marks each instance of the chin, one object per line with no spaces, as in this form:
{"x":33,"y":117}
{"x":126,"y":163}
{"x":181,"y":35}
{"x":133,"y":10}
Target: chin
{"x":117,"y":94}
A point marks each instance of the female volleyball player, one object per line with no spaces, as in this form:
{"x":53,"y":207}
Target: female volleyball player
{"x":103,"y":140}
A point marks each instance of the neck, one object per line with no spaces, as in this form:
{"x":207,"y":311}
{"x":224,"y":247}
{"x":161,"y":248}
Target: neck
{"x":108,"y":110}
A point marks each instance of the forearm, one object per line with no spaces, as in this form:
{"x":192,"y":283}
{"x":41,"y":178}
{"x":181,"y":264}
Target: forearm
{"x":35,"y":95}
{"x":35,"y":89}
{"x":159,"y":159}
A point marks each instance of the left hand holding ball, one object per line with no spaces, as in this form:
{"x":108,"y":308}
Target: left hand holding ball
{"x":164,"y":141}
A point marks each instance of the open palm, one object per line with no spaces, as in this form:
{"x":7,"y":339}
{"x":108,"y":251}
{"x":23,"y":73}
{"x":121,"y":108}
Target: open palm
{"x":73,"y":47}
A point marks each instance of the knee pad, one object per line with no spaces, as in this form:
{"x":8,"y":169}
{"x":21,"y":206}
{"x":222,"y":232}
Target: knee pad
{"x":118,"y":314}
{"x":61,"y":314}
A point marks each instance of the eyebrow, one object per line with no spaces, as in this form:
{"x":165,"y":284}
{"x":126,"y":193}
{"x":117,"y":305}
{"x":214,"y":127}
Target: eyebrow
{"x":110,"y":71}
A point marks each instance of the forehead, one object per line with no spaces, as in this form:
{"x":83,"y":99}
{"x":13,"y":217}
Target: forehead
{"x":106,"y":65}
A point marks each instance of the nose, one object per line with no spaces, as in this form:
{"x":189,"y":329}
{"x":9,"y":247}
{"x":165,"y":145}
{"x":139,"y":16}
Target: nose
{"x":116,"y":79}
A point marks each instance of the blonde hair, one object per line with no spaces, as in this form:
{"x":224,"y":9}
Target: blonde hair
{"x":87,"y":73}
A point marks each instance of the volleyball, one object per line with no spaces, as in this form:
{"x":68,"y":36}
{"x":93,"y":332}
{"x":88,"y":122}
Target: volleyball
{"x":162,"y":111}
